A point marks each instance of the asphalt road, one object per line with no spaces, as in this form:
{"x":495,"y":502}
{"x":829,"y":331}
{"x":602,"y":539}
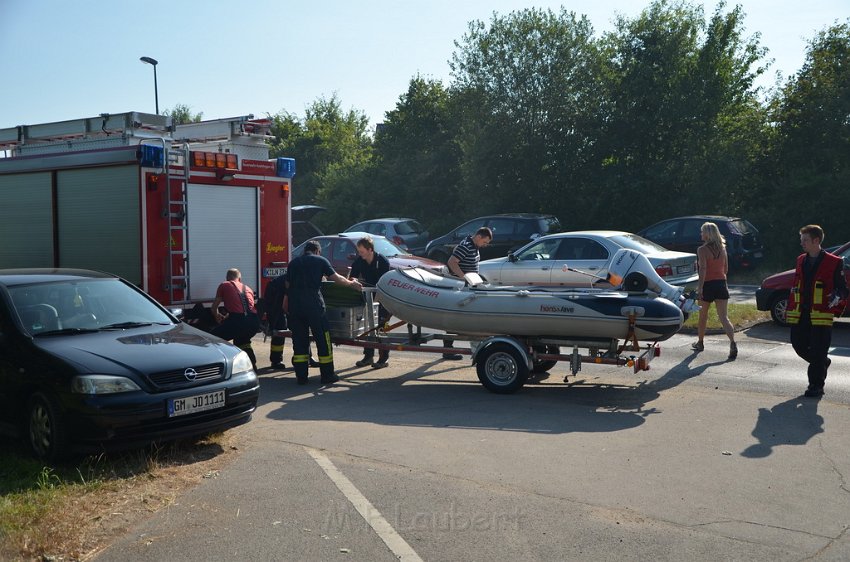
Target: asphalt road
{"x":698,"y":458}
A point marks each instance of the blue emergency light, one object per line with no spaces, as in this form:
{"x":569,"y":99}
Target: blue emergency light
{"x":285,"y":168}
{"x":150,"y":156}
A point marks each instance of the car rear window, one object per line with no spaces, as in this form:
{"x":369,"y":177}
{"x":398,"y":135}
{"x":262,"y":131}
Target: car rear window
{"x":387,"y":248}
{"x":408,"y":227}
{"x":635,"y":242}
{"x":741,"y":227}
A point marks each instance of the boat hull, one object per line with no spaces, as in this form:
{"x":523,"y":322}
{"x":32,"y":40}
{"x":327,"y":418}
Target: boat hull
{"x":428,"y":300}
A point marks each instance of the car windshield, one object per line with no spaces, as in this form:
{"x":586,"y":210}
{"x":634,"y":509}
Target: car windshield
{"x":639,"y":243}
{"x":83,"y":305}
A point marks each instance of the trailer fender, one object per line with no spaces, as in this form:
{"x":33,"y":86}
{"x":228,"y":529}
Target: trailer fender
{"x":478,"y":347}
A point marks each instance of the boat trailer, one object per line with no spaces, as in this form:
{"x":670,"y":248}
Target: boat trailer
{"x":503,"y":362}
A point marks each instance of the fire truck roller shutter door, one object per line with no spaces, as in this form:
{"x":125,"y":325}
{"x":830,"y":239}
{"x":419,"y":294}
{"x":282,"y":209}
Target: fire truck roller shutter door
{"x":26,"y":230}
{"x":99,"y":218}
{"x":223,"y":233}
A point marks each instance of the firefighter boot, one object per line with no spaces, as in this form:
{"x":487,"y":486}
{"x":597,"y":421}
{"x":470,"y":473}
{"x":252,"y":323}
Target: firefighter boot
{"x":327,"y":372}
{"x":276,"y":352}
{"x":299,"y":363}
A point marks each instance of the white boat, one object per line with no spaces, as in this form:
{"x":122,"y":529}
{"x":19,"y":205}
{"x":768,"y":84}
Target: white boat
{"x":454,"y":305}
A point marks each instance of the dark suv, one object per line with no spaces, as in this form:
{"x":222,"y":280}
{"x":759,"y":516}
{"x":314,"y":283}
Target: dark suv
{"x":510,"y":231}
{"x":302,"y":228}
{"x":743,"y":242}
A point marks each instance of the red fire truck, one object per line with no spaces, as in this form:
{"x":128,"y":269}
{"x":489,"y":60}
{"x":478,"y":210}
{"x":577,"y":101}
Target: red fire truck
{"x":167,"y":207}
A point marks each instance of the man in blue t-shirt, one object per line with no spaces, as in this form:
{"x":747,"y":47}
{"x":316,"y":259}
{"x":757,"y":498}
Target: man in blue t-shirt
{"x":305,"y":310}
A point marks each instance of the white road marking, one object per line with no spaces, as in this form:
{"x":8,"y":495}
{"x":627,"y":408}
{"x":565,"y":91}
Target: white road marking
{"x":364,"y":507}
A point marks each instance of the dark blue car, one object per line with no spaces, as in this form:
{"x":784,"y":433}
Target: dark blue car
{"x":90,"y":362}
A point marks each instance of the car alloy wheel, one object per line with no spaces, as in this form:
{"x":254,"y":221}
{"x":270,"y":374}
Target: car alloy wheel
{"x":779,"y":310}
{"x":46,"y":436}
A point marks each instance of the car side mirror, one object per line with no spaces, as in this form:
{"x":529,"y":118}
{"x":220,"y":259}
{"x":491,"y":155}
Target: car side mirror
{"x":512,"y":258}
{"x":177,"y":313}
{"x":534,"y":236}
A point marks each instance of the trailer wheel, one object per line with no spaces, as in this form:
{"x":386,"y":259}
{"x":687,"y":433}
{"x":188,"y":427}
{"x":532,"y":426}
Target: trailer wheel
{"x":541,"y":366}
{"x":502,"y":368}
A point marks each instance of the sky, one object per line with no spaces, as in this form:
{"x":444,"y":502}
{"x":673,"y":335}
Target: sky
{"x":65,"y":60}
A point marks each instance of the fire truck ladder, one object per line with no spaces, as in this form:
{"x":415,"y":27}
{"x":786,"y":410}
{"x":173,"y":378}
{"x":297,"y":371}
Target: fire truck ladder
{"x":177,"y":168}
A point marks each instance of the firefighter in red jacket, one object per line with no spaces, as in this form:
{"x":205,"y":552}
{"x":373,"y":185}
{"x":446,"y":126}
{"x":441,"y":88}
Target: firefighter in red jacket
{"x":818,"y":294}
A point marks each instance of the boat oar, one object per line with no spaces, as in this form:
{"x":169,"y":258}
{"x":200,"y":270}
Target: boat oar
{"x":614,"y":280}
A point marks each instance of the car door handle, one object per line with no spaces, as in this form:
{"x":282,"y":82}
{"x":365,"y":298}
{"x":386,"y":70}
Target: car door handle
{"x":545,"y":268}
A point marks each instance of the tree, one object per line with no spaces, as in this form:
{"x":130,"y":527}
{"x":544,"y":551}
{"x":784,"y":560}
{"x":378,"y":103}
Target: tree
{"x":329,"y":146}
{"x":680,"y":112}
{"x":182,"y":113}
{"x":809,"y":165}
{"x":525,"y":92}
{"x":416,"y":165}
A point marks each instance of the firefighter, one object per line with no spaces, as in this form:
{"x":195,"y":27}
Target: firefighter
{"x":277,"y":321}
{"x":275,"y":291}
{"x":819,"y":292}
{"x":241,"y":321}
{"x":305,"y":309}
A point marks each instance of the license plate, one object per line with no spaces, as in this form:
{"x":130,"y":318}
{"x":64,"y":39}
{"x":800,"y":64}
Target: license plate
{"x":272,"y":272}
{"x":197,"y":403}
{"x":684,"y":269}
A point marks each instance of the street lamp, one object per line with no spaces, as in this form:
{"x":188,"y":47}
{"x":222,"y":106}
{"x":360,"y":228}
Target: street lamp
{"x":153,"y":62}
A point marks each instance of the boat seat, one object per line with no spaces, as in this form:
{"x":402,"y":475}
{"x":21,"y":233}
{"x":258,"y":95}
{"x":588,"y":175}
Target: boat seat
{"x":473,"y":279}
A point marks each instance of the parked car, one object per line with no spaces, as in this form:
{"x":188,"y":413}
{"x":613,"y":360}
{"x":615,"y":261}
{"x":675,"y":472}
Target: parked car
{"x":407,"y":234}
{"x":341,"y":251}
{"x":773,"y":293}
{"x":743,"y":242}
{"x":582,"y":258}
{"x":89,"y":362}
{"x":510,"y":231}
{"x":302,"y":228}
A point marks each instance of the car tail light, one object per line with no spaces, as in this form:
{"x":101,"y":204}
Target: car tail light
{"x":664,"y":270}
{"x":398,"y":241}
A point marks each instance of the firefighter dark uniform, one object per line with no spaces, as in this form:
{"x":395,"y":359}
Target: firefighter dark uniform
{"x":307,"y":313}
{"x":818,"y":283}
{"x":275,"y":291}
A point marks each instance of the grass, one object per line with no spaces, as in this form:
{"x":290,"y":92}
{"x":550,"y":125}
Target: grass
{"x":740,"y":315}
{"x":65,"y":512}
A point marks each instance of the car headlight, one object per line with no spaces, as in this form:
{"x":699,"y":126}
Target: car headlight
{"x":102,"y":384}
{"x":242,"y":363}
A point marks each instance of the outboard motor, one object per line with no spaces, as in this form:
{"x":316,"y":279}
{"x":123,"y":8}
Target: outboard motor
{"x":627,"y":268}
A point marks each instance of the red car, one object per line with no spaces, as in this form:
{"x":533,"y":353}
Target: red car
{"x":774,"y":290}
{"x":341,"y":250}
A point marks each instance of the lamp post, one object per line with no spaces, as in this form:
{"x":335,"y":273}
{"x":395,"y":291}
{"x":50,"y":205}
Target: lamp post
{"x":153,"y":62}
